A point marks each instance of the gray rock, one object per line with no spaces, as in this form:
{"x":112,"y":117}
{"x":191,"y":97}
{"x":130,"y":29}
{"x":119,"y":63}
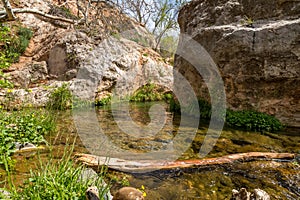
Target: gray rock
{"x":24,"y":146}
{"x":240,"y":195}
{"x":93,"y":191}
{"x":31,"y":73}
{"x":259,"y":194}
{"x":4,"y":194}
{"x":256,"y":51}
{"x":33,"y":97}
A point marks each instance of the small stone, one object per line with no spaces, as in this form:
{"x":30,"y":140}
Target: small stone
{"x":128,"y":193}
{"x":240,"y":195}
{"x":259,"y":194}
{"x":4,"y":194}
{"x":92,"y":193}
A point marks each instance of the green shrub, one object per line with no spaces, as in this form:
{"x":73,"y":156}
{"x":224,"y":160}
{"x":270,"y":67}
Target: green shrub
{"x":174,"y":106}
{"x":103,"y":102}
{"x":252,"y":120}
{"x":246,"y":120}
{"x":150,"y":92}
{"x":60,"y":99}
{"x":13,"y":42}
{"x":204,"y":106}
{"x":205,"y":109}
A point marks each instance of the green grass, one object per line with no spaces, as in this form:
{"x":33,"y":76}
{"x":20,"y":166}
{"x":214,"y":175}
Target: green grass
{"x":58,"y":179}
{"x":60,"y":99}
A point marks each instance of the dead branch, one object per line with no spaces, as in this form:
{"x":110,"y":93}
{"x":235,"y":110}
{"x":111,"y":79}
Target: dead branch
{"x":37,"y":12}
{"x":144,"y":165}
{"x":9,"y":11}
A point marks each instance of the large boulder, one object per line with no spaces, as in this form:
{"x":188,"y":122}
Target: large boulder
{"x":256,"y":47}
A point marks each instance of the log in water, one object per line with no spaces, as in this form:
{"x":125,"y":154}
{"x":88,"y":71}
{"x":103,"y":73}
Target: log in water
{"x":149,"y":165}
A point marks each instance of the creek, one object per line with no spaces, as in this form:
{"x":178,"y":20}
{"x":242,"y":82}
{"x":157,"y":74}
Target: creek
{"x":279,"y":178}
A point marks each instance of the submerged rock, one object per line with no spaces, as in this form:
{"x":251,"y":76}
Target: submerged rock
{"x":128,"y":193}
{"x":243,"y":194}
{"x":259,"y":194}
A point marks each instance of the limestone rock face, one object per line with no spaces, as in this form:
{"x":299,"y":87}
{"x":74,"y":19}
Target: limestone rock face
{"x":113,"y":51}
{"x":256,"y":47}
{"x":121,"y":66}
{"x":31,"y":73}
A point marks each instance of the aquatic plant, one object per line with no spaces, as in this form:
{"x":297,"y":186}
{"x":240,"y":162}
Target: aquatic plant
{"x":22,"y":126}
{"x":247,"y":120}
{"x":253,"y":120}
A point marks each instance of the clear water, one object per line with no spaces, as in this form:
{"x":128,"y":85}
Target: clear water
{"x":280,"y":179}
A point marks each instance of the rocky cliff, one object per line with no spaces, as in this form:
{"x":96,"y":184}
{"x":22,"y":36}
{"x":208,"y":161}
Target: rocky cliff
{"x":256,"y":46}
{"x":109,"y":47}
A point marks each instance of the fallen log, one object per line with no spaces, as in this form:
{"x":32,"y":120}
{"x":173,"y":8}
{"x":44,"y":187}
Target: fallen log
{"x":135,"y":166}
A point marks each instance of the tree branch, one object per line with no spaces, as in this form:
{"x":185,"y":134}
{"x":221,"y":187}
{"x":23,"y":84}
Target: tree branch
{"x":9,"y":11}
{"x":37,"y":12}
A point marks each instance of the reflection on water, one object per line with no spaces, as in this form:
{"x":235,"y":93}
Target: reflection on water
{"x":280,"y":179}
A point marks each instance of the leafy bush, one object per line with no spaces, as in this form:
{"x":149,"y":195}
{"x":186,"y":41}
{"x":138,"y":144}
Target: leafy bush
{"x":252,"y":120}
{"x":103,"y":102}
{"x":60,"y":99}
{"x":23,"y":126}
{"x":13,"y":42}
{"x":150,"y":92}
{"x":174,"y":106}
{"x":247,"y":120}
